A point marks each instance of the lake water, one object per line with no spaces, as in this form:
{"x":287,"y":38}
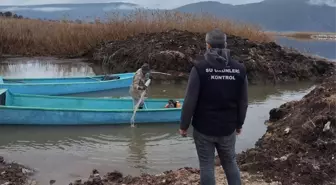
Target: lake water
{"x":322,"y":48}
{"x":69,"y":153}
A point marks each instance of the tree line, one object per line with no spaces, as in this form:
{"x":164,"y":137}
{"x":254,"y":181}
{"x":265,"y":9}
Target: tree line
{"x":10,"y":15}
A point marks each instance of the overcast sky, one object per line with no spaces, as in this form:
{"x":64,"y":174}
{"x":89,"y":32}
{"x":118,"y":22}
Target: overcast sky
{"x":146,"y":3}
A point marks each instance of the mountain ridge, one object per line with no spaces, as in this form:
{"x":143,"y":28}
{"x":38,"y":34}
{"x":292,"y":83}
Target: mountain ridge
{"x":271,"y":15}
{"x":295,"y":15}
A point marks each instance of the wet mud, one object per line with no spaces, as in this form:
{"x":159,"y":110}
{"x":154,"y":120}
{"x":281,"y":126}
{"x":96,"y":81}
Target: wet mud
{"x":299,"y":146}
{"x":14,"y":174}
{"x":183,"y":176}
{"x":173,"y":52}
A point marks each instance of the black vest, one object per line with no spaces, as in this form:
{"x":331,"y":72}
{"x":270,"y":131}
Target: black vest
{"x":216,"y":112}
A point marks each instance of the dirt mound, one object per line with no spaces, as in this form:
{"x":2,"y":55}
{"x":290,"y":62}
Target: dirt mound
{"x":13,"y":174}
{"x":183,"y":176}
{"x":174,"y":50}
{"x":299,"y":146}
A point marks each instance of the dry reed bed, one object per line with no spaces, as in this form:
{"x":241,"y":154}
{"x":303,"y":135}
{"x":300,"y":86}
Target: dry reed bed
{"x":46,"y":38}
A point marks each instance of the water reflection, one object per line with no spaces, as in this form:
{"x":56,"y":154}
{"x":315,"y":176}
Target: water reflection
{"x":104,"y":147}
{"x":44,"y":67}
{"x":322,"y":48}
{"x":257,"y":93}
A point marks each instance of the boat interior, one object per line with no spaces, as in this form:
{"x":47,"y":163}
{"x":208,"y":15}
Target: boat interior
{"x":66,"y":79}
{"x":80,"y":103}
{"x":2,"y":97}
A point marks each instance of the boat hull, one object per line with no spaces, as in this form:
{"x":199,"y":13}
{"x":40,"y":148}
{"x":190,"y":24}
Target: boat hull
{"x":54,"y":117}
{"x":63,"y":86}
{"x":25,"y":109}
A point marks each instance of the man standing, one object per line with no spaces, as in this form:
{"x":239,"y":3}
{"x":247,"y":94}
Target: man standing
{"x":138,"y":86}
{"x":216,"y":105}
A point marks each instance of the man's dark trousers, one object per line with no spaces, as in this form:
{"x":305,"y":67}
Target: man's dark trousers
{"x":225,"y":145}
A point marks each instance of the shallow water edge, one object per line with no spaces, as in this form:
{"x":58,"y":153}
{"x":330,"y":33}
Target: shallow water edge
{"x":69,"y":153}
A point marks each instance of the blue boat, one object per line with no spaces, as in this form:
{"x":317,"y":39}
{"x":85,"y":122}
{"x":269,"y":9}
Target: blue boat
{"x":25,"y":109}
{"x":66,"y":85}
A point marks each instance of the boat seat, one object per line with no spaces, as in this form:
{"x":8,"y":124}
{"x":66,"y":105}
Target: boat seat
{"x":107,"y":77}
{"x":1,"y":80}
{"x":2,"y":97}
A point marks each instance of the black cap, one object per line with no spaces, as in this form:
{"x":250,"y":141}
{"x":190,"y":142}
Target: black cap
{"x":145,"y":67}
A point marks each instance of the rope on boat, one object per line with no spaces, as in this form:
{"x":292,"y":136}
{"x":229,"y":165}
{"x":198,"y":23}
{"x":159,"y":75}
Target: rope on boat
{"x":161,"y":73}
{"x":138,"y":103}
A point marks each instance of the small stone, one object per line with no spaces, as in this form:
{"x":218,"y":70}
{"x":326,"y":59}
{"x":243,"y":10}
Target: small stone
{"x":51,"y":182}
{"x":283,"y":158}
{"x":26,"y":171}
{"x":326,"y":126}
{"x":95,"y":171}
{"x":287,"y":130}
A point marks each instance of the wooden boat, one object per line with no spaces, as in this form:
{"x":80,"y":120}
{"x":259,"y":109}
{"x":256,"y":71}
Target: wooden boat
{"x":25,"y":109}
{"x":67,"y":85}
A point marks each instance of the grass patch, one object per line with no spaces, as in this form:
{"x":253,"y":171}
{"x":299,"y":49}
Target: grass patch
{"x":30,"y":37}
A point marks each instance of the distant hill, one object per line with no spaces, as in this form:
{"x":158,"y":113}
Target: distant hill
{"x":273,"y":15}
{"x":71,"y":11}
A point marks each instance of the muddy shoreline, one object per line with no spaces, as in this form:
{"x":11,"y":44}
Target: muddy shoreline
{"x":182,"y":176}
{"x":298,"y":148}
{"x":17,"y":174}
{"x":173,"y":52}
{"x":12,"y":173}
